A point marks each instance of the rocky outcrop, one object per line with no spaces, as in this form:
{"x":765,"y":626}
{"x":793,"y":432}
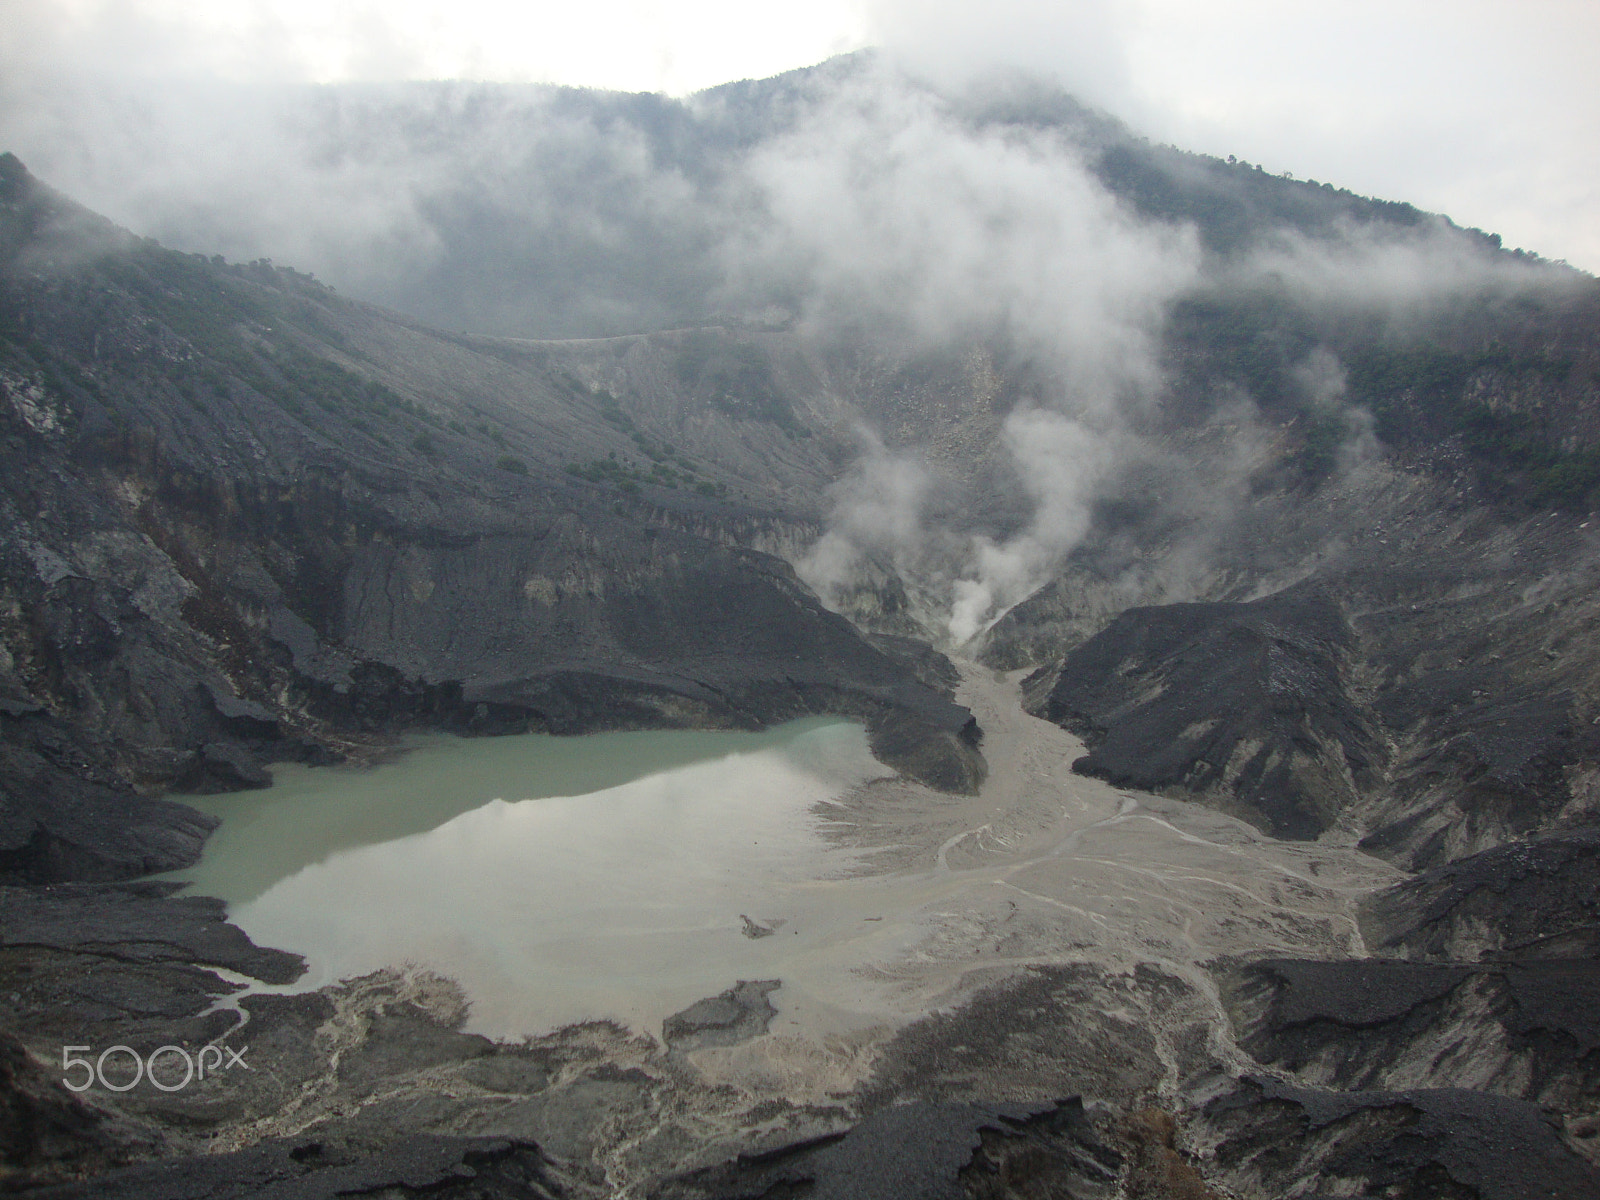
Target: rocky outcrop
{"x":733,"y":1016}
{"x":137,"y":923}
{"x":1453,"y":668}
{"x":1262,"y":1137}
{"x":48,"y":1133}
{"x":1276,"y":1139}
{"x":57,"y":823}
{"x":1523,"y":1029}
{"x":930,"y":1151}
{"x":1526,"y":900}
{"x":1245,"y":704}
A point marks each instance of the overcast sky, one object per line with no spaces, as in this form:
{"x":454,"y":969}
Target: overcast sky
{"x":1488,"y":110}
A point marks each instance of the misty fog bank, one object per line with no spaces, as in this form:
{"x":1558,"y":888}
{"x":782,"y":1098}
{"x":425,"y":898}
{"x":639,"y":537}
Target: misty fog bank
{"x":540,"y":211}
{"x":849,"y":203}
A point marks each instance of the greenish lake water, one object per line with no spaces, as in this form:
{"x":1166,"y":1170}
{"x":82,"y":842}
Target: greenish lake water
{"x":557,"y":879}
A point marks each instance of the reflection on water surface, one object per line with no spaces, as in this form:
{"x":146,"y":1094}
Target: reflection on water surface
{"x":557,"y":879}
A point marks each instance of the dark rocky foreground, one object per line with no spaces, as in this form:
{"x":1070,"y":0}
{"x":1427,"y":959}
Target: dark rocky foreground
{"x":392,"y":1101}
{"x":247,"y":521}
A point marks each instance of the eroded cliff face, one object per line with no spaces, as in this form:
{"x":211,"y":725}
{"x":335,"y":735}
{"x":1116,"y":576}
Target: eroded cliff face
{"x":1243,"y":702}
{"x":249,"y":521}
{"x":1432,"y":725}
{"x":246,"y":521}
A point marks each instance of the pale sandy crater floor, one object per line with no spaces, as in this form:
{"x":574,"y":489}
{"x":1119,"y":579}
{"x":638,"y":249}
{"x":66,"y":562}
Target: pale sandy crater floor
{"x":1043,"y":868}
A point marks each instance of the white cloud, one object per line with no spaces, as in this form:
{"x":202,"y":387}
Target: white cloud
{"x":884,"y":209}
{"x":630,"y":45}
{"x":889,"y":208}
{"x":1486,"y":110}
{"x":1082,"y":43}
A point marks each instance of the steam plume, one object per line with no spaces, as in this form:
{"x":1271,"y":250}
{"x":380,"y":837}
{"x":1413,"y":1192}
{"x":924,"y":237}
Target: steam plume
{"x":886,"y":209}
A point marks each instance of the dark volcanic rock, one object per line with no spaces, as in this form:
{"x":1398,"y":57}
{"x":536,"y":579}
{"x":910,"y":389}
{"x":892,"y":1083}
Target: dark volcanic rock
{"x":137,"y":922}
{"x":943,"y":757}
{"x":1356,"y":992}
{"x":1490,"y":766}
{"x":220,"y":767}
{"x":933,"y":668}
{"x":1524,"y":1029}
{"x":312,"y":1169}
{"x":923,"y":1151}
{"x":47,"y":1133}
{"x":128,"y":964}
{"x":1469,"y":655}
{"x":1276,"y":1139}
{"x":57,"y":823}
{"x":1243,"y":705}
{"x":599,"y":624}
{"x":1053,"y":1030}
{"x":245,"y":520}
{"x":736,"y":1015}
{"x":1539,"y":899}
{"x":1556,"y":999}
